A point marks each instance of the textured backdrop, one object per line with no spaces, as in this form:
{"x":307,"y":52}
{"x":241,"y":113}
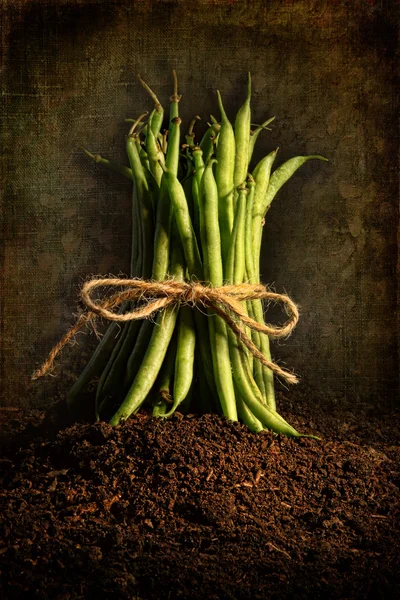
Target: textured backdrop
{"x":325,"y":69}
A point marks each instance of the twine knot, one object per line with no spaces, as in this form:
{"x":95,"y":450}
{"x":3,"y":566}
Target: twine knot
{"x":149,"y":297}
{"x":191,"y":293}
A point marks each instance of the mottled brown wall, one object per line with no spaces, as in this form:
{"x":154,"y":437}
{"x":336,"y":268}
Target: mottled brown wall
{"x":325,"y":69}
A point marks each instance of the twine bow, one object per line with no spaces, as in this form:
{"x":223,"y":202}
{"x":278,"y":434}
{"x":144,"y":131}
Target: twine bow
{"x":224,"y":301}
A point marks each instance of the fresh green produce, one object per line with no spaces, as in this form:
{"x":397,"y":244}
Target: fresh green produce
{"x":198,"y":209}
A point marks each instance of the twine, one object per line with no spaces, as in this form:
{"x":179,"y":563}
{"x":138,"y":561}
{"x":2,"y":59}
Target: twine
{"x":225,"y":301}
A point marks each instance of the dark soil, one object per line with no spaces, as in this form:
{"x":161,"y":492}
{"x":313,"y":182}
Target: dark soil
{"x":196,"y":507}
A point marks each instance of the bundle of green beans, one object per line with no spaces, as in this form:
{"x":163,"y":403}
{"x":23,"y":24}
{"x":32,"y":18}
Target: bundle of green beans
{"x":197,"y":211}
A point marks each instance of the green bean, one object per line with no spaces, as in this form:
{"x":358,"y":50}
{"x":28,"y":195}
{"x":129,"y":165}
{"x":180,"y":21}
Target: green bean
{"x":235,"y":275}
{"x":190,"y":134}
{"x":164,"y":142}
{"x":162,"y":235}
{"x":95,"y":365}
{"x":141,"y":332}
{"x":165,"y":208}
{"x":199,"y":165}
{"x":155,"y":354}
{"x":264,"y":376}
{"x":136,"y":355}
{"x":113,"y":373}
{"x":187,"y":185}
{"x":159,"y":272}
{"x":186,"y":338}
{"x":184,"y":358}
{"x":164,"y":383}
{"x":184,"y":223}
{"x":192,"y":258}
{"x":254,"y":135}
{"x":255,"y":366}
{"x":146,"y":212}
{"x":145,"y":203}
{"x":242,"y":139}
{"x":213,"y":273}
{"x":239,"y":254}
{"x":154,"y":155}
{"x":144,"y":159}
{"x":159,"y":409}
{"x":158,"y":115}
{"x":196,"y":210}
{"x":104,"y":350}
{"x":246,"y":415}
{"x":285,"y":172}
{"x":261,"y":176}
{"x":172,"y":157}
{"x":224,"y":175}
{"x":107,"y":379}
{"x":235,"y":264}
{"x":207,"y":144}
{"x":250,"y":394}
{"x":113,"y":166}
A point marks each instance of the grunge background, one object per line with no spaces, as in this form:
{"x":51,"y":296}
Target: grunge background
{"x":325,"y":69}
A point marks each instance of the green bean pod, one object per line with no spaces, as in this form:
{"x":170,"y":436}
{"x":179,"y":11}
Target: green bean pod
{"x":113,"y":374}
{"x":250,"y":394}
{"x":254,"y":135}
{"x":261,"y":176}
{"x":137,"y":353}
{"x":158,"y":113}
{"x":246,"y":415}
{"x":150,"y":366}
{"x":190,"y":134}
{"x":236,"y":261}
{"x":145,"y":203}
{"x":193,"y":261}
{"x":235,"y":275}
{"x":213,"y":273}
{"x":184,"y":361}
{"x":285,"y":172}
{"x":165,"y":379}
{"x":95,"y":365}
{"x":154,"y":156}
{"x":255,"y":366}
{"x":159,"y":272}
{"x":242,"y":139}
{"x":113,"y":166}
{"x":184,"y":223}
{"x":109,"y":385}
{"x":207,"y":144}
{"x":264,"y":377}
{"x":199,"y":170}
{"x":155,"y":353}
{"x":199,"y":165}
{"x":172,"y":156}
{"x":107,"y":378}
{"x":101,"y":356}
{"x":224,"y":175}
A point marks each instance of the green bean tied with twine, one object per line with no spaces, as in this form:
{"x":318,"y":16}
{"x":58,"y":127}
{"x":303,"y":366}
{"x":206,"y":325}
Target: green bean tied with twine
{"x":187,"y":327}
